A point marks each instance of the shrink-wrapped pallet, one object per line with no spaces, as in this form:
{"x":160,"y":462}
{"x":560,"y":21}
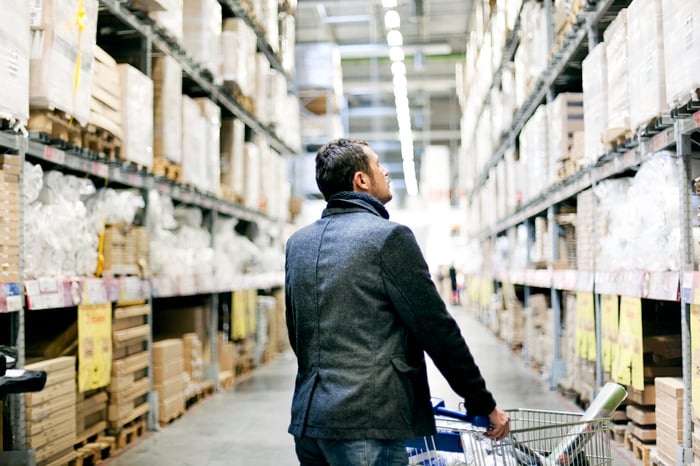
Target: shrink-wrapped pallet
{"x":106,"y":100}
{"x":269,"y":19}
{"x":194,"y":136}
{"x":595,"y":101}
{"x":170,"y":18}
{"x":167,"y":109}
{"x":262,"y":85}
{"x":14,"y":60}
{"x":137,"y":116}
{"x":233,"y":157}
{"x":202,"y":33}
{"x":617,"y":57}
{"x":534,"y":146}
{"x":565,"y":119}
{"x":645,"y":43}
{"x":252,"y":176}
{"x":287,"y":41}
{"x":211,"y":113}
{"x":62,"y":56}
{"x":277,"y":91}
{"x":681,"y":50}
{"x":238,"y":43}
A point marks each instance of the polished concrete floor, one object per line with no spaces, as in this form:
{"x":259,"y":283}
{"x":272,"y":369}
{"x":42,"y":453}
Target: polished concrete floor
{"x":247,"y":425}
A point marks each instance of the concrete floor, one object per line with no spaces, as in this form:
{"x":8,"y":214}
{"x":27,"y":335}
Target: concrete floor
{"x":247,"y":425}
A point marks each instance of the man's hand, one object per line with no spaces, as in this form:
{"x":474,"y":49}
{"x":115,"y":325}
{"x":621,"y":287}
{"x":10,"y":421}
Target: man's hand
{"x":500,"y":425}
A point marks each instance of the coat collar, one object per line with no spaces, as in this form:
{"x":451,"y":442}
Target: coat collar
{"x":349,"y":199}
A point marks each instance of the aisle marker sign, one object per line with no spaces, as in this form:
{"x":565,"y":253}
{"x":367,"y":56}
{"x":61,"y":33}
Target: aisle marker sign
{"x":695,"y":346}
{"x":628,"y":368}
{"x":585,"y":328}
{"x":610,"y":323}
{"x":94,"y":346}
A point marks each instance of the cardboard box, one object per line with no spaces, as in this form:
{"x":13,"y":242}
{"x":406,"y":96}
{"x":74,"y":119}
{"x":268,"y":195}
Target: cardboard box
{"x":170,"y":388}
{"x":137,"y":117}
{"x":167,"y":350}
{"x":641,"y":415}
{"x":670,"y":386}
{"x":167,"y":370}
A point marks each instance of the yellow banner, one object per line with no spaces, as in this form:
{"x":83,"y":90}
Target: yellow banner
{"x":239,"y":314}
{"x":585,"y":326}
{"x":94,"y":346}
{"x":695,"y":345}
{"x":610,"y":322}
{"x":628,"y":368}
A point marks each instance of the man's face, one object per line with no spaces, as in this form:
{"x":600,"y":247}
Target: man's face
{"x":379,"y":179}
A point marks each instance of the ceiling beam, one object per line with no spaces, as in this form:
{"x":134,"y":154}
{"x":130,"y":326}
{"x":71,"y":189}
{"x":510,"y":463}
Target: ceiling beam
{"x":433,"y":135}
{"x":386,"y":86}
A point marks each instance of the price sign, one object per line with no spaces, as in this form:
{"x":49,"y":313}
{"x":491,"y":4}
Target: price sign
{"x":610,"y":325}
{"x":585,"y":328}
{"x":628,"y":366}
{"x":54,"y":155}
{"x":663,"y":286}
{"x":94,"y":346}
{"x":94,"y":291}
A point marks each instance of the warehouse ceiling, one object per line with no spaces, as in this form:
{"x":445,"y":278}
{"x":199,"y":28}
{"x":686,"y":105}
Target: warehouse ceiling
{"x":434,"y":40}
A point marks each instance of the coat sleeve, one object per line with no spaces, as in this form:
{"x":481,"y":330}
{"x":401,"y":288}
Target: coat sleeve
{"x":418,"y":303}
{"x":289,"y":312}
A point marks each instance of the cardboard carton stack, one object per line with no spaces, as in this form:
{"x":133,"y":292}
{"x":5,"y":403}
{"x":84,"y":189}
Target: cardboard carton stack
{"x":10,"y":166}
{"x":167,"y":117}
{"x":137,"y":117}
{"x":202,"y":24}
{"x":50,"y":413}
{"x":129,"y":385}
{"x":90,"y":414}
{"x":125,"y":250}
{"x":168,"y":369}
{"x":233,"y":160}
{"x":617,"y":58}
{"x":14,"y":60}
{"x":595,"y":101}
{"x":565,"y":133}
{"x":227,"y":360}
{"x":104,"y":131}
{"x":669,"y":417}
{"x":194,"y":364}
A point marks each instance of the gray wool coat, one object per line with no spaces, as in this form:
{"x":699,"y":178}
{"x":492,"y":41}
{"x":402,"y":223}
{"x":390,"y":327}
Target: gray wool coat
{"x":361,"y":311}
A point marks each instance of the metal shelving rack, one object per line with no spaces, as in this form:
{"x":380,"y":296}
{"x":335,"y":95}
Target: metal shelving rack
{"x":677,"y":131}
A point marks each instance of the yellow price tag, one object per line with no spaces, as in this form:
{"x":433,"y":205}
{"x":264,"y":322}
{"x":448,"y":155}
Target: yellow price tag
{"x":585,"y":326}
{"x":94,"y":346}
{"x":610,"y":323}
{"x":628,"y":368}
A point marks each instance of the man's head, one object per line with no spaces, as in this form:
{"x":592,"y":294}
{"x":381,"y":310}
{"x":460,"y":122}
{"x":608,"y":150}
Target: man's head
{"x":351,"y":165}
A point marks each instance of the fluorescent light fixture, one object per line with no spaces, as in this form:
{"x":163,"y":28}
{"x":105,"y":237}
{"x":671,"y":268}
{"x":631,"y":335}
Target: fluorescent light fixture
{"x":398,"y":67}
{"x":396,"y":54}
{"x":390,"y":3}
{"x":400,"y":81}
{"x":392,"y":20}
{"x":394,"y":38}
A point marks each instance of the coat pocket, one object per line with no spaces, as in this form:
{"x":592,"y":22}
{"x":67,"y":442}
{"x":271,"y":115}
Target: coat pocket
{"x":404,"y":388}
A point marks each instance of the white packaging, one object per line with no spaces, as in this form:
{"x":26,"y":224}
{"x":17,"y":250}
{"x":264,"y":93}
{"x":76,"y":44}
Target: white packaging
{"x":202,"y":33}
{"x":262,"y":84}
{"x":106,"y":100}
{"x":269,"y":18}
{"x":276,"y":93}
{"x":194,"y":135}
{"x":15,"y":42}
{"x":565,"y":118}
{"x":618,"y":75}
{"x":252,"y":176}
{"x":56,"y":80}
{"x":238,"y":43}
{"x":137,"y":116}
{"x":645,"y":43}
{"x":211,"y":113}
{"x":167,"y":109}
{"x":287,"y":42}
{"x":233,"y":156}
{"x":595,"y":102}
{"x":681,"y":49}
{"x":170,"y":19}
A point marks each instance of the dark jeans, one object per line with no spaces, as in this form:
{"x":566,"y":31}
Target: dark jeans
{"x":331,"y":452}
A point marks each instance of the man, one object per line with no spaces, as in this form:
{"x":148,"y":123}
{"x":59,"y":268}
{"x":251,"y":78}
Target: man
{"x":361,"y":311}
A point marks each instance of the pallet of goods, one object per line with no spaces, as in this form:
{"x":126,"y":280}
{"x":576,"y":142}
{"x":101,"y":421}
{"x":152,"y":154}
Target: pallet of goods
{"x":137,"y":124}
{"x":14,"y":58}
{"x":226,"y":357}
{"x":125,"y":251}
{"x":618,"y":126}
{"x":10,"y":166}
{"x":168,"y":378}
{"x":669,"y":417}
{"x":90,"y":414}
{"x":167,"y":118}
{"x":194,"y":368}
{"x":681,"y":26}
{"x":50,"y":413}
{"x":640,"y":438}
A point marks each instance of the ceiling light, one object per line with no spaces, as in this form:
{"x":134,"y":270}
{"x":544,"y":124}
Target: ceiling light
{"x":390,"y":3}
{"x":396,"y":54}
{"x":400,"y":81}
{"x":392,"y":20}
{"x":394,"y":38}
{"x":398,"y":67}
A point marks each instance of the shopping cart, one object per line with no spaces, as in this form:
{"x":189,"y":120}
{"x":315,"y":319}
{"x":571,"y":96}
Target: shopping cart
{"x":537,"y":438}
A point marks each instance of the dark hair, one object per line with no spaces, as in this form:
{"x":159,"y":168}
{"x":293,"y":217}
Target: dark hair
{"x":337,"y":162}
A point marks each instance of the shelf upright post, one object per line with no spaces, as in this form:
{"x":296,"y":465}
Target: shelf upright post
{"x":530,"y":227}
{"x":211,"y":371}
{"x":558,"y":370}
{"x":683,"y":150}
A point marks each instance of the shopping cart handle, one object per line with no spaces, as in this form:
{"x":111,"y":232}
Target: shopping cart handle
{"x":476,"y":421}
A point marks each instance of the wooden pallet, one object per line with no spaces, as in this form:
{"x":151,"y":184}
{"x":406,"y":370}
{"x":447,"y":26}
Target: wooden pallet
{"x":226,"y":380}
{"x":616,"y":137}
{"x":167,"y":169}
{"x":642,"y":451}
{"x":94,"y":452}
{"x":165,"y":422}
{"x":618,"y":432}
{"x":58,"y":126}
{"x":101,"y":142}
{"x":130,"y":432}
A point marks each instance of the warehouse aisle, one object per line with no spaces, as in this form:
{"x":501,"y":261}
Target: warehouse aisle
{"x":247,"y":424}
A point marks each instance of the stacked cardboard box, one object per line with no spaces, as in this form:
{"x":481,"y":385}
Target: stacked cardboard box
{"x":90,"y":414}
{"x":168,"y":369}
{"x":194,"y":364}
{"x":169,"y":18}
{"x":238,"y":46}
{"x":10,"y":166}
{"x":129,"y":385}
{"x":194,"y":140}
{"x":137,"y":124}
{"x":202,"y":33}
{"x":669,"y":417}
{"x":167,"y":110}
{"x":233,"y":159}
{"x":14,"y":60}
{"x":125,"y":250}
{"x":210,"y":113}
{"x":106,"y":97}
{"x":565,"y":119}
{"x":595,"y":101}
{"x":227,"y":360}
{"x":50,"y":413}
{"x":617,"y":59}
{"x":681,"y":50}
{"x":539,"y":342}
{"x":585,"y":225}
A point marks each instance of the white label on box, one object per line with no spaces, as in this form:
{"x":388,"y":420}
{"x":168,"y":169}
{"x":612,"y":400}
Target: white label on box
{"x":35,"y":19}
{"x":14,"y":303}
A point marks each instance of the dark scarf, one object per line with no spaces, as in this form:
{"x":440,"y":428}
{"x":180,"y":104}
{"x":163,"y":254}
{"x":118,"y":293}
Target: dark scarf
{"x":345,"y":197}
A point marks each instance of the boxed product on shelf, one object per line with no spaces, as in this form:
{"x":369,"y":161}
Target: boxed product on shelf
{"x":617,"y":65}
{"x":10,"y":166}
{"x":170,"y":19}
{"x":14,"y":61}
{"x":202,"y":33}
{"x":194,"y":140}
{"x":645,"y":44}
{"x":263,"y":109}
{"x":194,"y":363}
{"x":269,"y":20}
{"x":287,"y":41}
{"x":534,"y":151}
{"x":90,"y":414}
{"x":585,"y":225}
{"x":211,"y":114}
{"x":168,"y":369}
{"x":595,"y":101}
{"x":167,"y":110}
{"x":233,"y":159}
{"x":533,"y":38}
{"x":565,"y":119}
{"x":50,"y":413}
{"x":681,"y":50}
{"x":276,"y":92}
{"x":251,"y":196}
{"x":238,"y":44}
{"x":669,"y":417}
{"x":137,"y":124}
{"x":125,"y":250}
{"x":62,"y":61}
{"x":105,"y":106}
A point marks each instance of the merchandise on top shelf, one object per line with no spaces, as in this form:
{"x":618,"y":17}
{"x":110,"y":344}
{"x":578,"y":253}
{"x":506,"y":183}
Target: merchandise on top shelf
{"x":681,"y":50}
{"x":595,"y":102}
{"x":9,"y":218}
{"x":61,"y":70}
{"x":534,"y":150}
{"x":565,"y":118}
{"x":252,"y":171}
{"x":233,"y":160}
{"x":211,"y":113}
{"x":238,"y":44}
{"x":105,"y":123}
{"x":287,"y":41}
{"x":137,"y":116}
{"x":14,"y":60}
{"x":168,"y":369}
{"x":263,"y":110}
{"x":169,"y":19}
{"x":617,"y":59}
{"x":194,"y":140}
{"x":645,"y":43}
{"x":202,"y":34}
{"x":167,"y":110}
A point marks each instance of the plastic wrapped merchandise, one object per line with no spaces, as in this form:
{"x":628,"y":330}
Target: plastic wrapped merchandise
{"x":287,"y":42}
{"x":114,"y":206}
{"x":211,"y":113}
{"x":238,"y":45}
{"x":194,"y":136}
{"x":58,"y":48}
{"x":612,"y":246}
{"x":14,"y":60}
{"x":681,"y":49}
{"x":252,"y":176}
{"x":233,"y":157}
{"x":617,"y":58}
{"x":202,"y":24}
{"x":137,"y":116}
{"x":167,"y":109}
{"x":565,"y":118}
{"x":170,"y":19}
{"x":646,"y":61}
{"x":595,"y":102}
{"x":263,"y":109}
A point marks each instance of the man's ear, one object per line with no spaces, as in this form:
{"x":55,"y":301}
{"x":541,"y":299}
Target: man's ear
{"x":360,"y":182}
